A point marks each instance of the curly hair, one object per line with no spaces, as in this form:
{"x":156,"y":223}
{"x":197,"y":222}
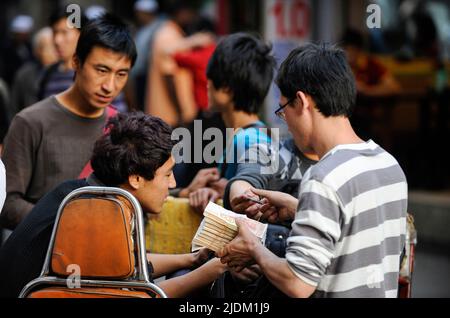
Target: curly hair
{"x":135,"y":144}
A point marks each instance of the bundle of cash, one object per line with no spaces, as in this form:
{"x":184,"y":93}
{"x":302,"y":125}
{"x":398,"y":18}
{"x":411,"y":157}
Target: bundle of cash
{"x":218,"y":228}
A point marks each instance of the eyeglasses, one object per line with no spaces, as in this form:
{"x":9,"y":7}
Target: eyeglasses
{"x":280,"y":111}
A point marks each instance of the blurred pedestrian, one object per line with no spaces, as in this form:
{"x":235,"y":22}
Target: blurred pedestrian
{"x":17,"y":50}
{"x":148,"y":21}
{"x":24,"y":91}
{"x":169,"y":93}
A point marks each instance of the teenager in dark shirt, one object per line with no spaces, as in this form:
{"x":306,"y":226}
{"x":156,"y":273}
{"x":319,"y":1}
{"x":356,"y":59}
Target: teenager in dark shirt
{"x":134,"y":155}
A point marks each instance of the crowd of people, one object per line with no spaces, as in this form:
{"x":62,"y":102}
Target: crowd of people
{"x":340,"y":201}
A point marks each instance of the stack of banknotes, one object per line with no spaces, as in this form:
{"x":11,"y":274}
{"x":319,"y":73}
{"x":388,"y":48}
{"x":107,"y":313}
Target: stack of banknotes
{"x":219,"y":228}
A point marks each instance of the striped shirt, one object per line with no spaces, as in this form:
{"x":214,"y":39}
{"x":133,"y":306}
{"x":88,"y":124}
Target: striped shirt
{"x":292,"y":166}
{"x":350,"y":226}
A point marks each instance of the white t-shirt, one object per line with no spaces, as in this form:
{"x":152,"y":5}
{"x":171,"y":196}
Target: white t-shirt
{"x":2,"y":185}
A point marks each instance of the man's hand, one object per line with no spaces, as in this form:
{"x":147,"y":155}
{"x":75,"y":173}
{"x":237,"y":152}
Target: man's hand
{"x":201,"y":180}
{"x":242,"y":204}
{"x":200,"y":257}
{"x":238,"y":254}
{"x":277,"y":207}
{"x":199,"y":199}
{"x":247,"y":275}
{"x":219,"y":186}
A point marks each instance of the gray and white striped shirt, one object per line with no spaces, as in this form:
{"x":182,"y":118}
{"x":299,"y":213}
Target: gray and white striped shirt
{"x":350,"y":225}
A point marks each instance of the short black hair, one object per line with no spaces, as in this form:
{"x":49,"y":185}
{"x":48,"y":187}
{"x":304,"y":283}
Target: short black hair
{"x":60,"y":12}
{"x":244,"y":64}
{"x":135,"y":144}
{"x":109,"y":32}
{"x":321,"y":71}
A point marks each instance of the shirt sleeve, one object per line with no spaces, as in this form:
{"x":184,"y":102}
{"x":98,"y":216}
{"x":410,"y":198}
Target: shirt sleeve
{"x":315,"y":232}
{"x":18,"y":157}
{"x":262,"y":166}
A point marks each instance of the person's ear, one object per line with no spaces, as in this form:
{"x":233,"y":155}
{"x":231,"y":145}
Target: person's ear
{"x":135,"y":181}
{"x":303,"y":103}
{"x":76,"y":63}
{"x":226,"y":95}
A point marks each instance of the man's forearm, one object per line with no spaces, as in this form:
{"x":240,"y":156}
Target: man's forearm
{"x":279,"y":274}
{"x":165,"y":264}
{"x":185,"y":285}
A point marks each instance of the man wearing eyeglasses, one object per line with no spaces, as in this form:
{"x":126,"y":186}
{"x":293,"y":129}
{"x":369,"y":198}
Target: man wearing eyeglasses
{"x":350,"y":219}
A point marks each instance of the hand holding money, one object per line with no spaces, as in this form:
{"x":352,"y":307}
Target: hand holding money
{"x":238,"y":253}
{"x":277,"y":207}
{"x":248,"y":203}
{"x":220,"y":226}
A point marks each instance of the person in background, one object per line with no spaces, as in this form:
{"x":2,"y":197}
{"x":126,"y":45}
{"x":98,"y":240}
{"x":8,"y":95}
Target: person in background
{"x":239,"y":75}
{"x":52,"y":140}
{"x":148,"y":21}
{"x":25,"y":86}
{"x":17,"y":49}
{"x":59,"y":77}
{"x":193,"y":54}
{"x":169,"y":93}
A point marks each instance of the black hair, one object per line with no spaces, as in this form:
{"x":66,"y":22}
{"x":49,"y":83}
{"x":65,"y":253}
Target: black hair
{"x":244,"y":64}
{"x":321,"y":71}
{"x":135,"y":144}
{"x":61,"y":12}
{"x":109,"y":32}
{"x":354,"y":38}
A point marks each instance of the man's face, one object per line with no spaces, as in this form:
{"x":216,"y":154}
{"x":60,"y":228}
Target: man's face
{"x":102,"y":76}
{"x":46,"y":52}
{"x":154,"y":193}
{"x":65,"y":39}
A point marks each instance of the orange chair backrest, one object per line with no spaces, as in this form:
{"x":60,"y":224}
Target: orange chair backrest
{"x":96,"y":235}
